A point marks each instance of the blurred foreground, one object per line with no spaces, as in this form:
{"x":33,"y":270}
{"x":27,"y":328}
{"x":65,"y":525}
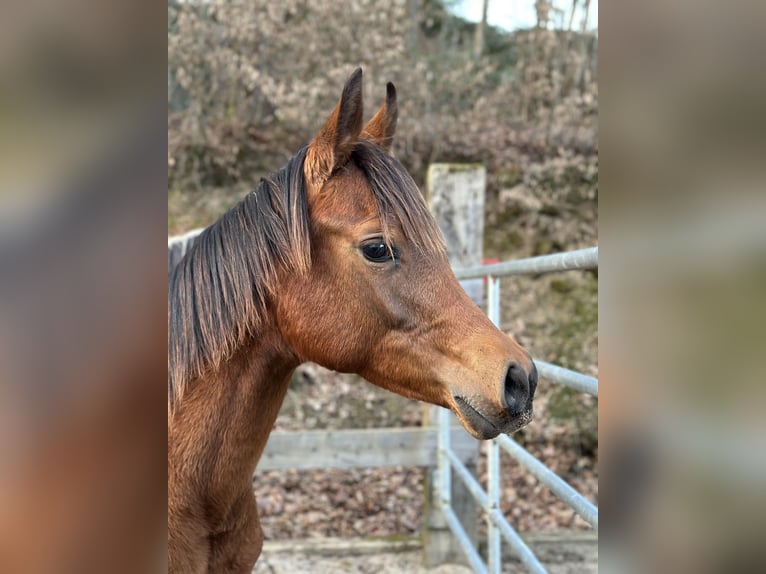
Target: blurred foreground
{"x":683,"y":288}
{"x":82,"y":288}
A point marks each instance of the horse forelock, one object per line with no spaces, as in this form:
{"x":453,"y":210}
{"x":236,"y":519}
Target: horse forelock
{"x":397,"y":197}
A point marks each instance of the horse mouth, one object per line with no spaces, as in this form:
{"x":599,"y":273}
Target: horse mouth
{"x":482,"y":427}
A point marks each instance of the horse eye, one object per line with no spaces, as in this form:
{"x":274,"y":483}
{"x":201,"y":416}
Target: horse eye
{"x":377,"y":252}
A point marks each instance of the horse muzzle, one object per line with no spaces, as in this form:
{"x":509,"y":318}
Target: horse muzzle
{"x":486,"y":421}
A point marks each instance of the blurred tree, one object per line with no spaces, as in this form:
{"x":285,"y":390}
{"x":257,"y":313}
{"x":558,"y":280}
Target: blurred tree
{"x":586,"y":10}
{"x":478,"y":45}
{"x":542,"y":10}
{"x":572,"y":15}
{"x":248,"y":83}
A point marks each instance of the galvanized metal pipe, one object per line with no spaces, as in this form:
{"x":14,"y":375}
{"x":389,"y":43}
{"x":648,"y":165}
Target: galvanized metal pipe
{"x":568,"y":260}
{"x":523,"y":551}
{"x":468,"y":479}
{"x":493,"y":454}
{"x":558,"y":486}
{"x":494,"y":555}
{"x":493,"y":299}
{"x":445,"y":470}
{"x":495,"y":516}
{"x":571,"y":379}
{"x":465,"y":543}
{"x":184,"y":236}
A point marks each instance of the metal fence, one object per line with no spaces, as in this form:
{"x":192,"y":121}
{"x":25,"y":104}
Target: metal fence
{"x":497,"y":526}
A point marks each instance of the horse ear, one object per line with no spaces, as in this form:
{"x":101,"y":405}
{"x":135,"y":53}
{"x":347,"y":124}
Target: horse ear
{"x":381,"y":128}
{"x":332,"y":147}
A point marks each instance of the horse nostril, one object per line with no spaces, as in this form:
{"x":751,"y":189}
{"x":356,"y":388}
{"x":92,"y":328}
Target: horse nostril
{"x":517,"y":389}
{"x":532,"y":380}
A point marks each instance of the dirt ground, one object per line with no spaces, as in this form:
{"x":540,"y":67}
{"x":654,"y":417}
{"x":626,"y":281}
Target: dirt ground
{"x":383,"y":563}
{"x":566,"y":553}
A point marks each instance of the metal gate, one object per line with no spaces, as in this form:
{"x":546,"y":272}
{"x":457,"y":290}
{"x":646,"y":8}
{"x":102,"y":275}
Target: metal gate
{"x":489,"y":501}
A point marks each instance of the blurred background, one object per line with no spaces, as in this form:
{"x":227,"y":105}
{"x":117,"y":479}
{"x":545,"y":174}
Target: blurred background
{"x":249,"y":83}
{"x":82,"y":286}
{"x":682,"y":291}
{"x":511,"y":85}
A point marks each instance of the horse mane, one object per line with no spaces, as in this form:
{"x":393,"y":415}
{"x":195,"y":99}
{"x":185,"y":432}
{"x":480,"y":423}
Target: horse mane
{"x":219,"y":291}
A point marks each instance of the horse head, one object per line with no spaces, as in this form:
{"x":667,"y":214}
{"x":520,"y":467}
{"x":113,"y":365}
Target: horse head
{"x":378,"y":297}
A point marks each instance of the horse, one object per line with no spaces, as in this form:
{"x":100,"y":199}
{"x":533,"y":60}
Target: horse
{"x":334,"y":259}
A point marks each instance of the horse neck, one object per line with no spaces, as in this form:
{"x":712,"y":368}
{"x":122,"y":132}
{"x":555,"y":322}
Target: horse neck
{"x":224,"y":421}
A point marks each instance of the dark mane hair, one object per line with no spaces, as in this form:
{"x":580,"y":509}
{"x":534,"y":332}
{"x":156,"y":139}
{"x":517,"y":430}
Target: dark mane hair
{"x":219,"y":291}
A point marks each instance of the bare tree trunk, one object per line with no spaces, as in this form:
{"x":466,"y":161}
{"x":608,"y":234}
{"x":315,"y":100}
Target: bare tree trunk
{"x":542,"y":9}
{"x":478,"y":39}
{"x":586,"y":45}
{"x":571,"y":16}
{"x":585,"y":16}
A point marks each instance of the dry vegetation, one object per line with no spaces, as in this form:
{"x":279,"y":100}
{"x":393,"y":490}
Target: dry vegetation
{"x":250,"y":82}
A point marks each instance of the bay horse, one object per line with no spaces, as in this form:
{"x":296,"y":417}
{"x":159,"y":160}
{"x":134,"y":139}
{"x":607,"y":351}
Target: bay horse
{"x":334,"y":259}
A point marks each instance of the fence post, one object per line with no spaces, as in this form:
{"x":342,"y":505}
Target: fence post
{"x":455,"y":195}
{"x":439,"y":544}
